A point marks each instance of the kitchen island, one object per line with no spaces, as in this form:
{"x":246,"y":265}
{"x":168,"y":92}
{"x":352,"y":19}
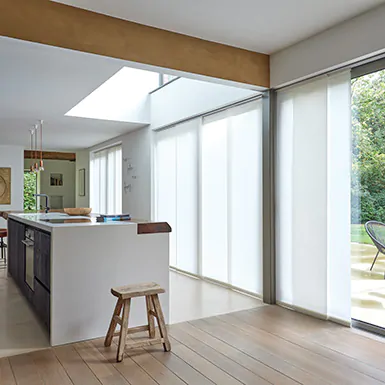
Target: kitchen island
{"x":66,"y":266}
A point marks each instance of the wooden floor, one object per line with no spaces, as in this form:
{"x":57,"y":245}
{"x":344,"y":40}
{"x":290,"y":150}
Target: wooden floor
{"x":266,"y":345}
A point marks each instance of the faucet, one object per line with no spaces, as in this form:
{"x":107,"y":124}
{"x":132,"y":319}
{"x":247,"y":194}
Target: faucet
{"x":46,"y":201}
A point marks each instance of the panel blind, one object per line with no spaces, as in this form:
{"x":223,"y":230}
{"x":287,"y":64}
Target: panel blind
{"x":106,"y":181}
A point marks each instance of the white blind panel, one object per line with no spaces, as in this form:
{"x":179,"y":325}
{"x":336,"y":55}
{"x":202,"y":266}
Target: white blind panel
{"x":284,"y":199}
{"x":106,"y":181}
{"x":313,"y":120}
{"x":176,"y":184}
{"x":215,"y":200}
{"x":231,"y":196}
{"x":245,"y":195}
{"x":187,"y":197}
{"x":339,"y":181}
{"x":165,"y":207}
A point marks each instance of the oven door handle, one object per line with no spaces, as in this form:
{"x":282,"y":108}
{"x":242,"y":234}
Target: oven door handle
{"x":27,"y":243}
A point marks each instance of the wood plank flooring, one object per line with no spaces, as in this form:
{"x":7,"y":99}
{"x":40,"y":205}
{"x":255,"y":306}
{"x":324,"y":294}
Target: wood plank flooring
{"x":261,"y":346}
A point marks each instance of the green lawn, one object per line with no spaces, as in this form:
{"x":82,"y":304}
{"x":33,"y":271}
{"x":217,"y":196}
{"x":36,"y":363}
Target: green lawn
{"x":358,"y":234}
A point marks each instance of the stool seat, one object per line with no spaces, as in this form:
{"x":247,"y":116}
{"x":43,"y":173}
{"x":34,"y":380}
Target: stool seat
{"x":3,"y":233}
{"x":138,"y":290}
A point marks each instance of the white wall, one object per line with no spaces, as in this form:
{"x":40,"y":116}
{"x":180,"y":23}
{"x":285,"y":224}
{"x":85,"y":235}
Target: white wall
{"x":13,"y":156}
{"x":185,"y":98}
{"x":346,"y":43}
{"x":137,"y":150}
{"x":83,"y":161}
{"x":67,"y":191}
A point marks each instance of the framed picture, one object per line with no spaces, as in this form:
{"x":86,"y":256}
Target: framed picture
{"x":82,"y":182}
{"x":5,"y":185}
{"x":56,"y":179}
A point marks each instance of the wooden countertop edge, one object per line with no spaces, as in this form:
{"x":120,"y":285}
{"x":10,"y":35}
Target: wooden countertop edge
{"x":143,"y":227}
{"x":154,"y":228}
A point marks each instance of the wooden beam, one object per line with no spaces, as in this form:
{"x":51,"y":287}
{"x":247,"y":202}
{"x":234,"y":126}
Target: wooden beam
{"x":51,"y":155}
{"x":47,"y":22}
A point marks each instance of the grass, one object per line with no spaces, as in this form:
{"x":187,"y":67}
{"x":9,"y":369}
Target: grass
{"x":358,"y":235}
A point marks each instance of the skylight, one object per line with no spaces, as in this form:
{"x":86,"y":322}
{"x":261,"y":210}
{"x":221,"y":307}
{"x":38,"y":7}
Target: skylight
{"x":121,"y":98}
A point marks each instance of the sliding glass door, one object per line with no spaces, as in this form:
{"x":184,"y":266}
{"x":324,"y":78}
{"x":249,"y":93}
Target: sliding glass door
{"x":208,"y":183}
{"x":313,"y":197}
{"x":368,"y":197}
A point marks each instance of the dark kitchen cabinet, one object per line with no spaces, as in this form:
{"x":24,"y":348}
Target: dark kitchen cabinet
{"x":42,"y":272}
{"x":16,"y":252}
{"x":40,"y":296}
{"x":42,"y":265}
{"x":12,"y":249}
{"x":41,"y":303}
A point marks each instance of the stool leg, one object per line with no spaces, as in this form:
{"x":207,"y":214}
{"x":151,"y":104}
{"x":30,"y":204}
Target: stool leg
{"x":161,"y":323}
{"x":150,"y":317}
{"x":113,"y":323}
{"x":2,"y":247}
{"x":123,"y":329}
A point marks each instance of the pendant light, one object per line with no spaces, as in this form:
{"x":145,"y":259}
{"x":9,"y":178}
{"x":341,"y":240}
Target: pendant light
{"x":31,"y":131}
{"x":36,"y":166}
{"x":41,"y":165}
{"x":36,"y":134}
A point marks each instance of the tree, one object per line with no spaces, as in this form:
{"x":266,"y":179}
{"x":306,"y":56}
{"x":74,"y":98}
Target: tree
{"x":368,"y":151}
{"x":30,"y":180}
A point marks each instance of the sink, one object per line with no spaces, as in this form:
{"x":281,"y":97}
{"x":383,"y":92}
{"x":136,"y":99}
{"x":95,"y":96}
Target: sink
{"x":53,"y":216}
{"x":67,"y":219}
{"x":40,"y":216}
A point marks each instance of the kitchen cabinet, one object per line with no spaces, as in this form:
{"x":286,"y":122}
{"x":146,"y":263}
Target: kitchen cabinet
{"x":16,"y":252}
{"x":40,"y":296}
{"x":42,"y":273}
{"x":42,"y":263}
{"x":41,"y":303}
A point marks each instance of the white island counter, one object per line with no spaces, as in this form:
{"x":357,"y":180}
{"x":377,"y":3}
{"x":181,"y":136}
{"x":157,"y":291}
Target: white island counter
{"x":86,"y":260}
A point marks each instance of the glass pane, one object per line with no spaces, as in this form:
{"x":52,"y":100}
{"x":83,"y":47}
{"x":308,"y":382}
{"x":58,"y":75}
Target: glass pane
{"x":118,"y":181}
{"x":103,"y":183}
{"x":106,"y":181}
{"x":214,"y":200}
{"x":368,"y":199}
{"x":30,"y":188}
{"x":110,"y":183}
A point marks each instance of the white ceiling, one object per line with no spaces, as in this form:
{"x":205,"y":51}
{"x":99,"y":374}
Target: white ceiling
{"x":257,"y":25}
{"x":42,"y":82}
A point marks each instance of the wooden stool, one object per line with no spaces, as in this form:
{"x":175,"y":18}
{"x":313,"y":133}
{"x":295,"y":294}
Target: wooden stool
{"x":154,"y":310}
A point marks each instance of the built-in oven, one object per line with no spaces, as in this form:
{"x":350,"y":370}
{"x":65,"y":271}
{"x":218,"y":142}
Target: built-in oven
{"x":29,"y":243}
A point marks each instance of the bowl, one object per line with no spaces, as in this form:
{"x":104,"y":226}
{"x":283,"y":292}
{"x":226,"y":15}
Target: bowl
{"x":78,"y":211}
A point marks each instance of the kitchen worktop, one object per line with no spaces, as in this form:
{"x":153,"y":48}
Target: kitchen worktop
{"x":39,"y":220}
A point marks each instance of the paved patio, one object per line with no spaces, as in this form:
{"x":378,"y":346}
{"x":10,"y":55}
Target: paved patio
{"x":368,"y":287}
